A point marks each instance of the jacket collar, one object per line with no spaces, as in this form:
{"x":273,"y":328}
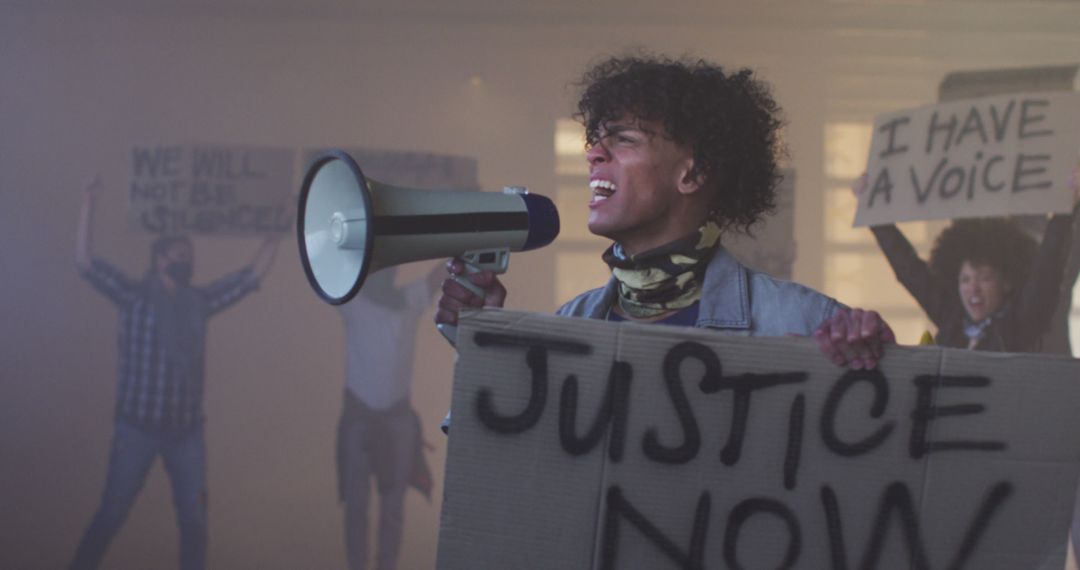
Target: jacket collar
{"x":725,"y":295}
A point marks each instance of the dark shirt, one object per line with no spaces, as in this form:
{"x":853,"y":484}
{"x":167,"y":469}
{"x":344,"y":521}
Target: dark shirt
{"x":161,"y":343}
{"x":686,"y":317}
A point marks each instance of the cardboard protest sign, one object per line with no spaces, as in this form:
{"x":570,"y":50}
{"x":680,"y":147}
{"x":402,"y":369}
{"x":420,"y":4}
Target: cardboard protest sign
{"x":1001,"y":155}
{"x":586,"y":444}
{"x":204,"y":189}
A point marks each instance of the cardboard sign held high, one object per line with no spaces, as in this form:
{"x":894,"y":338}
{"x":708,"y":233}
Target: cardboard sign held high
{"x":593,"y":445}
{"x":979,"y":157}
{"x":211,"y":190}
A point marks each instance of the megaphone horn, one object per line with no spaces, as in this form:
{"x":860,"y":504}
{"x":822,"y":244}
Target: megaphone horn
{"x":349,"y":225}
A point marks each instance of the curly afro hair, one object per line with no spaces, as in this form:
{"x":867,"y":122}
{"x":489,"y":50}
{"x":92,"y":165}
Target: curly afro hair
{"x":729,"y":121}
{"x":997,"y":242}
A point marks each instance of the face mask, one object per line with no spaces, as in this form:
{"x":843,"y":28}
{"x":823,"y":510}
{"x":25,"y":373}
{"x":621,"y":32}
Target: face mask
{"x":179,"y":271}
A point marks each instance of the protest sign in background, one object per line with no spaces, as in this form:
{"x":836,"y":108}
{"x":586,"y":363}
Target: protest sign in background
{"x":971,"y":83}
{"x":217,"y":190}
{"x":991,"y":156}
{"x":410,"y":169}
{"x":587,"y":444}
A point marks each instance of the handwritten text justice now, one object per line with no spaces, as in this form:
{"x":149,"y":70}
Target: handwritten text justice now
{"x":611,"y":419}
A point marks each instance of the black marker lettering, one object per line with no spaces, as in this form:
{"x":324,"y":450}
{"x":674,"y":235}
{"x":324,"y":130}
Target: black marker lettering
{"x":834,"y":528}
{"x":891,"y":127}
{"x":949,"y":128}
{"x":1026,"y":119}
{"x":743,"y":511}
{"x":1001,"y":124}
{"x":618,"y":508}
{"x":536,"y":357}
{"x":614,"y":410}
{"x":952,"y":183}
{"x":971,"y":177}
{"x":922,"y":194}
{"x":986,"y":174}
{"x":925,"y":412}
{"x":832,"y":404}
{"x":796,"y":420}
{"x":881,"y":184}
{"x":1022,"y":172}
{"x":973,"y":124}
{"x":743,"y":386}
{"x":896,"y":498}
{"x":994,"y":498}
{"x":688,"y":449}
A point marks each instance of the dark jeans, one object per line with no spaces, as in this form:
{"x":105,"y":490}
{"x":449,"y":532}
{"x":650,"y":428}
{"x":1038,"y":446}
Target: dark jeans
{"x":133,"y":453}
{"x":382,"y":445}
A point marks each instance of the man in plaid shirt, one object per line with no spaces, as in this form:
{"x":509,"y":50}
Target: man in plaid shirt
{"x":161,"y":343}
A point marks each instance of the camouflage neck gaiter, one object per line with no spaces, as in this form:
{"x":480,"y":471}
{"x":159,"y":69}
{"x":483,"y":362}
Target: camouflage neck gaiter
{"x":666,"y":278}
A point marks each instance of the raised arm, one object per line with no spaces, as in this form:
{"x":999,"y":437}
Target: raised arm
{"x":911,"y":270}
{"x":84,"y":240}
{"x":1040,"y":294}
{"x":108,"y":280}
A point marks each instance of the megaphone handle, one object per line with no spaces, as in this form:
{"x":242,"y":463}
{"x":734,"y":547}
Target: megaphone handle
{"x":469,"y":284}
{"x":474,"y":264}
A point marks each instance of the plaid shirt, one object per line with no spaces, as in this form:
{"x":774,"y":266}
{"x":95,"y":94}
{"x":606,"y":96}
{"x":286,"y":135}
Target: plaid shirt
{"x":149,"y":393}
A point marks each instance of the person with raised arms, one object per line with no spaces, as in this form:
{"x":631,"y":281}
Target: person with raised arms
{"x":160,"y":384}
{"x":987,"y":284}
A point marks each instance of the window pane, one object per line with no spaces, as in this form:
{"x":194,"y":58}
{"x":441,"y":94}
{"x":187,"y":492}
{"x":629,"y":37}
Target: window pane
{"x":840,"y":207}
{"x":570,"y":148}
{"x":847,"y":146}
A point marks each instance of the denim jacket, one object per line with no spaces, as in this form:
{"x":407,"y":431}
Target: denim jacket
{"x":735,"y":299}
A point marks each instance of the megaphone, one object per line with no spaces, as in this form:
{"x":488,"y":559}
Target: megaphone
{"x":349,"y":226}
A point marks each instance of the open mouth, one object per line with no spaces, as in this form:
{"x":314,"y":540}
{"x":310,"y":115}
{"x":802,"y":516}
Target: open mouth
{"x":601,"y":189}
{"x":976,"y":307}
